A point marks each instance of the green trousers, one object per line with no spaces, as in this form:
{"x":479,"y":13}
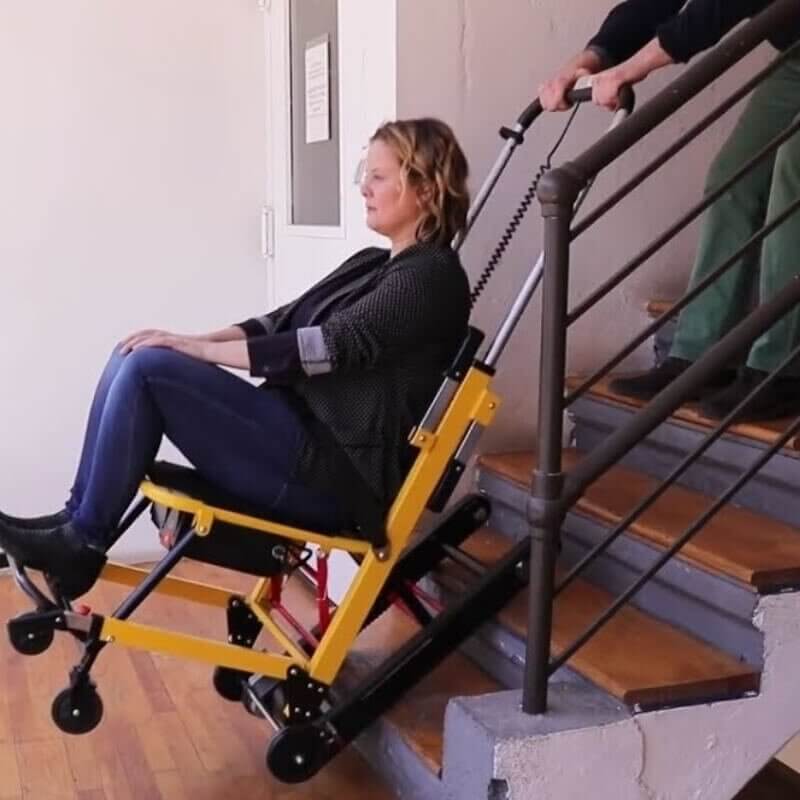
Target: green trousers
{"x":733,"y":219}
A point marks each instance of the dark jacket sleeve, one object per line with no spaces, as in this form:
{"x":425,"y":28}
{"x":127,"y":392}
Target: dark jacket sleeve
{"x":630,"y":26}
{"x":275,"y":357}
{"x":682,"y":33}
{"x":702,"y":24}
{"x":263,"y":325}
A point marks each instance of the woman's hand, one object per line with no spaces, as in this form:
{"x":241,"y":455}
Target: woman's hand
{"x":232,"y":333}
{"x":188,"y":345}
{"x":130,"y":342}
{"x":232,"y":353}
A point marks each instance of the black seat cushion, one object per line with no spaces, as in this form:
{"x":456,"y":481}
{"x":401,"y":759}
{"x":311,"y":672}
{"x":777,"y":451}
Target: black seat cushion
{"x":230,"y":546}
{"x":188,"y":481}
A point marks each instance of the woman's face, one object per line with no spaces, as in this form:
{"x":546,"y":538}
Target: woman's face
{"x":392,"y":206}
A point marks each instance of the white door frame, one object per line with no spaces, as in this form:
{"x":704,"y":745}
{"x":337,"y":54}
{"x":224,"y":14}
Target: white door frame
{"x":366,"y":71}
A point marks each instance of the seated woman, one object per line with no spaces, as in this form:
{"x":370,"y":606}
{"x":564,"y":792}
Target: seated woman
{"x":349,"y":368}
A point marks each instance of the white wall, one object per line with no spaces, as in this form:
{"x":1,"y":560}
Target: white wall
{"x":477,"y":64}
{"x":131,"y":181}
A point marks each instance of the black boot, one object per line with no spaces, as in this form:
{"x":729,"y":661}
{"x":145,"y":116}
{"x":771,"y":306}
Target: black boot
{"x":780,"y":399}
{"x":60,"y":552}
{"x":36,"y":523}
{"x":646,"y":385}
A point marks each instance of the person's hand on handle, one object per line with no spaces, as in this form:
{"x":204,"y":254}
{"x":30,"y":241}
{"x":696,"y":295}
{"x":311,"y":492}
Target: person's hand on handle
{"x":606,"y":85}
{"x":552,"y":93}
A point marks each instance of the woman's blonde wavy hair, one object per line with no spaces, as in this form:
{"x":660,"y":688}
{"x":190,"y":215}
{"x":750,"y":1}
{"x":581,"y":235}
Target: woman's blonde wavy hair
{"x":434,"y":164}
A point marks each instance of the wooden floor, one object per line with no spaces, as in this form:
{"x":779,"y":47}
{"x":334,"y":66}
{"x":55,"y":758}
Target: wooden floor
{"x":165,"y":736}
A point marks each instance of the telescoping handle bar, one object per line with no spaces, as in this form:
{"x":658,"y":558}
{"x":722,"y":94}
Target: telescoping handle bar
{"x":515,"y":136}
{"x":581,"y":94}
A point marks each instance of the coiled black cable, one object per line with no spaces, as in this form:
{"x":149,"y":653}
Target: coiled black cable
{"x":519,"y":216}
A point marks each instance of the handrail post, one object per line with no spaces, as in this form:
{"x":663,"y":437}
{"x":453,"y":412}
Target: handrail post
{"x":558,"y":193}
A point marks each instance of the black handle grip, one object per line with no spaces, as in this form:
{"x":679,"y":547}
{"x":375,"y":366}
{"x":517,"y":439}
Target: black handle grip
{"x":627,"y":97}
{"x":576,"y":96}
{"x":530,"y":114}
{"x":627,"y":102}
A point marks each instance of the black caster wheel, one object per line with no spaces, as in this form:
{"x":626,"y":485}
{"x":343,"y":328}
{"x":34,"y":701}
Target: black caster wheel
{"x":77,"y":710}
{"x":228,"y":683}
{"x":298,"y":753}
{"x":29,"y":642}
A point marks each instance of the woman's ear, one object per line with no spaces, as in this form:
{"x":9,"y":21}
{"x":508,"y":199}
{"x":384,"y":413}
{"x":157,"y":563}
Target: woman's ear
{"x":424,"y":194}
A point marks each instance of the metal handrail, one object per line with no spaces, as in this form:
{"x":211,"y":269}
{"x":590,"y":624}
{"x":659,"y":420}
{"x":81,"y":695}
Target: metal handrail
{"x":553,"y":492}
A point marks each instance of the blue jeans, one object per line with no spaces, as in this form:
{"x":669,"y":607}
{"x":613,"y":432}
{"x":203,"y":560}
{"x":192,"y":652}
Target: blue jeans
{"x":244,"y":439}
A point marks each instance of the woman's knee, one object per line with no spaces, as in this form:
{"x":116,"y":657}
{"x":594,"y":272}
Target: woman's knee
{"x":148,"y":362}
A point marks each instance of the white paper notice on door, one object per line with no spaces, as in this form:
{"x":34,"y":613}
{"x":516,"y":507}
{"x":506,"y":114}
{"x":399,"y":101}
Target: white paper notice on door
{"x":318,"y":90}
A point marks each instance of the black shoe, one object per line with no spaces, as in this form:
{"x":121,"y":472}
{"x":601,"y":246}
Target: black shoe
{"x":36,"y":523}
{"x":71,"y":564}
{"x":780,"y":399}
{"x":646,"y":385}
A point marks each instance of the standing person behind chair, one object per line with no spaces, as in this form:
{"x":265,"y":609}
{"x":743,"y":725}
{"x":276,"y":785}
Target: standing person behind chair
{"x":349,"y":368}
{"x":637,"y":38}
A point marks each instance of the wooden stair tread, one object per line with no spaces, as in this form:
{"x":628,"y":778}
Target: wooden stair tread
{"x":764,"y":432}
{"x":634,"y":657}
{"x":657,"y":308}
{"x":419,"y":715}
{"x":738,"y":543}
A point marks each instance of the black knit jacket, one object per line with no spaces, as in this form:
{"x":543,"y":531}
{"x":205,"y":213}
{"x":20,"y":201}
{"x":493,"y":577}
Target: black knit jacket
{"x":683,"y":29}
{"x":386,"y":347}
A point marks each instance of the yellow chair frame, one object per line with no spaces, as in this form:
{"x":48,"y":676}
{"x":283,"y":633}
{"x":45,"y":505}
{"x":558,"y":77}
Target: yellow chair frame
{"x":473,"y":403}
